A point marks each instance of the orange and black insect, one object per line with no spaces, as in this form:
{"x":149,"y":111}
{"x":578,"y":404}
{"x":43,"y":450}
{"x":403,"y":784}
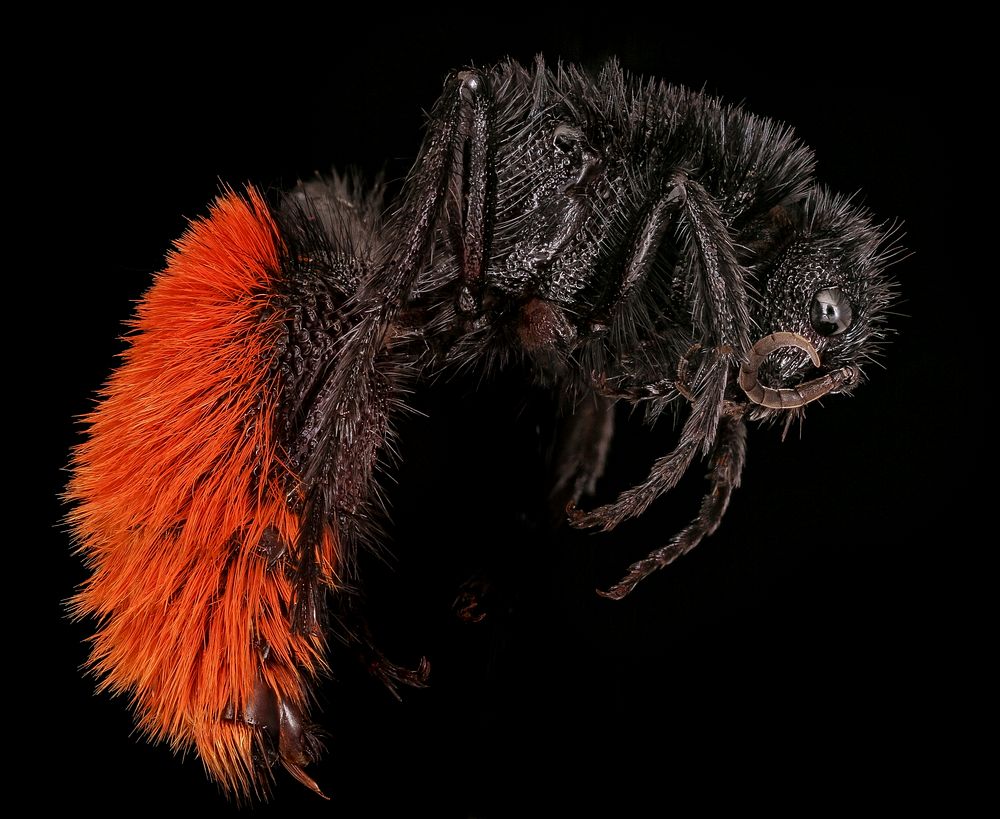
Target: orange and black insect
{"x":629,"y":242}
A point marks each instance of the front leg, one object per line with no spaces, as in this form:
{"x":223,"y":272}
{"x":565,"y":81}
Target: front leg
{"x":726,"y":467}
{"x":666,"y":472}
{"x":721,"y":318}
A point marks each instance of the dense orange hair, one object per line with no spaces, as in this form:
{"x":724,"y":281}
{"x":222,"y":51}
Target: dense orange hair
{"x":173,"y":490}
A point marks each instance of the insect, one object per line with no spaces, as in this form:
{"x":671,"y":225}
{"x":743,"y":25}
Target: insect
{"x":628,"y":241}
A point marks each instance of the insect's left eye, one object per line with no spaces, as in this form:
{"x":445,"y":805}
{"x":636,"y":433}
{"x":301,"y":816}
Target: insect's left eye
{"x":830,"y":312}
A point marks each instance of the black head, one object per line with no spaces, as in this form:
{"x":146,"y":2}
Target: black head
{"x":823,"y":300}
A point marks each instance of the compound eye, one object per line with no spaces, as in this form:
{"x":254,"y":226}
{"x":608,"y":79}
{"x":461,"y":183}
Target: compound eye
{"x":830,"y":312}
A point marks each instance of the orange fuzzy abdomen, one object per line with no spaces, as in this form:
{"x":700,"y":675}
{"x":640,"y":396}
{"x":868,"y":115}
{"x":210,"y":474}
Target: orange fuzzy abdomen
{"x":179,"y":479}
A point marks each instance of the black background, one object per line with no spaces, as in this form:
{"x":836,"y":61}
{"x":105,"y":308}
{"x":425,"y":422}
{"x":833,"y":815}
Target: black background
{"x":793,"y":656}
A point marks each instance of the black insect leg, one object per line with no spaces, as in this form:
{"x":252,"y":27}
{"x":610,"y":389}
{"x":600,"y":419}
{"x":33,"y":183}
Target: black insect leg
{"x":721,"y":314}
{"x":349,"y":421}
{"x":659,"y":218}
{"x":721,"y":311}
{"x":351,"y":626}
{"x":583,"y":451}
{"x":726,"y":466}
{"x":722,"y":319}
{"x":454,"y":155}
{"x":664,"y":475}
{"x":476,"y":198}
{"x":664,"y":387}
{"x":350,"y":416}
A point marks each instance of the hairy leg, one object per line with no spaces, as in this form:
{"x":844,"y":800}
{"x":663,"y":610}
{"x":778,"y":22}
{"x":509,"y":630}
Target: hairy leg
{"x":721,"y":321}
{"x":726,"y":466}
{"x":359,"y":383}
{"x":666,"y":471}
{"x":583,"y":451}
{"x":334,"y":228}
